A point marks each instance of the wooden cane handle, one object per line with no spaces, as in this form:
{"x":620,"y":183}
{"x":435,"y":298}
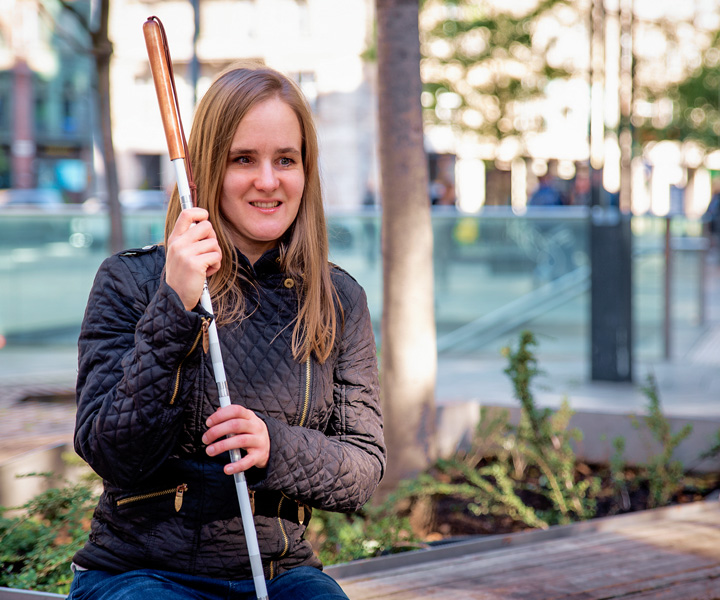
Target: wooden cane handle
{"x":163,"y":87}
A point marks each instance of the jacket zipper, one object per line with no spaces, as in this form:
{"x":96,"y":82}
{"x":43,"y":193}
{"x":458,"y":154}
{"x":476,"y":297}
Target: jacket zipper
{"x":200,"y":334}
{"x":286,"y":540}
{"x":301,"y":507}
{"x":179,"y":492}
{"x":306,"y":400}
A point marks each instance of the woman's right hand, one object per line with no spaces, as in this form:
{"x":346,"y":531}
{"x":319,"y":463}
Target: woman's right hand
{"x":193,"y":254}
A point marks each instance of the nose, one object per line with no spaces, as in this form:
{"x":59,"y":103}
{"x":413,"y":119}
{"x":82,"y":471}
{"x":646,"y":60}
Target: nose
{"x":266,"y":179}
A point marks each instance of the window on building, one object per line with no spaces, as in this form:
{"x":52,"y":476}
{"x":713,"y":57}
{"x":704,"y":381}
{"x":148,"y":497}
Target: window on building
{"x":4,"y":110}
{"x":150,"y":171}
{"x":42,"y":112}
{"x":67,"y":108}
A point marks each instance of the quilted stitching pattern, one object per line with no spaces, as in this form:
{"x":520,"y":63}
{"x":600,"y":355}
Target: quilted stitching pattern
{"x":137,"y":343}
{"x":129,"y":357}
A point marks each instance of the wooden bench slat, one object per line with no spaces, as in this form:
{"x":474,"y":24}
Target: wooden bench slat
{"x":673,"y":554}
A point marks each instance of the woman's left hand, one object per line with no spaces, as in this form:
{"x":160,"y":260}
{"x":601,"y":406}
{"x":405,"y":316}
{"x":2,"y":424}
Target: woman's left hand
{"x":248,"y":432}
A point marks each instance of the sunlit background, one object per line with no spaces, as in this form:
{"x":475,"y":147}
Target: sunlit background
{"x":506,"y":100}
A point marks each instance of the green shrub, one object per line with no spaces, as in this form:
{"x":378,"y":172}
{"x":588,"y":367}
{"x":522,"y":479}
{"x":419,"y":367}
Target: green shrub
{"x":37,"y":545}
{"x":377,"y":529}
{"x":507,"y":465}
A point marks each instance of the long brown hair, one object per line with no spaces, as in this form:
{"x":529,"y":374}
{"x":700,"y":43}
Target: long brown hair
{"x":304,"y":246}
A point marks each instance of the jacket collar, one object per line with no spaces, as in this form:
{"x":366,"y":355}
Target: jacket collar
{"x":267,"y":264}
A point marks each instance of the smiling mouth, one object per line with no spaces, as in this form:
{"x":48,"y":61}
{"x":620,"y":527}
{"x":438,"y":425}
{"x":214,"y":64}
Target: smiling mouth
{"x":272,"y":204}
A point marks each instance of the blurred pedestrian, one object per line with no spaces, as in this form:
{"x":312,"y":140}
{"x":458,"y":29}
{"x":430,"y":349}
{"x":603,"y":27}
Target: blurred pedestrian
{"x":712,"y":218}
{"x":546,"y":194}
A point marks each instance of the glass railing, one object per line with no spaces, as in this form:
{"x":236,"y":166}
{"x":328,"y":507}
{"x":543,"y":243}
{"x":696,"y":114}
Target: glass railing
{"x":495,"y":274}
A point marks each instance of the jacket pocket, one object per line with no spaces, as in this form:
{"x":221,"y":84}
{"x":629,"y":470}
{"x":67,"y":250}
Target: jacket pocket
{"x":141,"y":522}
{"x":159,"y":498}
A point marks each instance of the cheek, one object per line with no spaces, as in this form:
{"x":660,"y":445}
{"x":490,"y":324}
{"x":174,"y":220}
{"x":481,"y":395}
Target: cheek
{"x":300,"y":186}
{"x":233,"y":187}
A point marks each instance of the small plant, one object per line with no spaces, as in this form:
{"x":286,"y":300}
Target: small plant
{"x":545,"y":439}
{"x":665,"y":475}
{"x":488,"y":490}
{"x":36,"y":547}
{"x":527,"y":472}
{"x":375,"y":530}
{"x":617,"y":473}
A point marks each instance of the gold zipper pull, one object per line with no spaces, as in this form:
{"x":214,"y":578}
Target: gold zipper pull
{"x":179,"y":493}
{"x":206,"y":335}
{"x":301,"y":513}
{"x":251,"y":493}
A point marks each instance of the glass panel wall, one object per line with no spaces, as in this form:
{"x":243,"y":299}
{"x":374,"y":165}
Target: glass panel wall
{"x":495,"y":274}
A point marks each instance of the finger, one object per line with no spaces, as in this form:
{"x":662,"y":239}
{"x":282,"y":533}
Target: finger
{"x":182,"y":235}
{"x":213,"y":268}
{"x":199,"y":255}
{"x":204,"y":249}
{"x":225,"y":413}
{"x":193,"y":215}
{"x":251,"y":459}
{"x":187,"y":217}
{"x":256,"y":451}
{"x":233,"y":427}
{"x":235,"y":442}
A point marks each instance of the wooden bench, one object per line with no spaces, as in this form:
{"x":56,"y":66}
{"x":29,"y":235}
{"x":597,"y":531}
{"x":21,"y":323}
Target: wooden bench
{"x":670,"y":553}
{"x":13,"y":594}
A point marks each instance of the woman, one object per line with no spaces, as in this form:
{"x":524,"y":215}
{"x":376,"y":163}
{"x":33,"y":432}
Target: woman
{"x":298,"y":350}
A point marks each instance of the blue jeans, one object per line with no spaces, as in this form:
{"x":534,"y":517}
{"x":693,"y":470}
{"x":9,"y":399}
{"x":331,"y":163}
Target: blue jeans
{"x":302,"y":583}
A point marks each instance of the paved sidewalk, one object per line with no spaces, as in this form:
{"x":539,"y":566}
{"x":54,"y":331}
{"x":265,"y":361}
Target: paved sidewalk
{"x":688,"y":385}
{"x":37,"y":391}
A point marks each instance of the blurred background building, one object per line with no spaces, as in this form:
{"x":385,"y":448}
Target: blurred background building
{"x":512,"y":94}
{"x":46,"y":84}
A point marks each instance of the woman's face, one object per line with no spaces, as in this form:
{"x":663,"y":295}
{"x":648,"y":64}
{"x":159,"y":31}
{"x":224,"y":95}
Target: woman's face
{"x":264,"y":177}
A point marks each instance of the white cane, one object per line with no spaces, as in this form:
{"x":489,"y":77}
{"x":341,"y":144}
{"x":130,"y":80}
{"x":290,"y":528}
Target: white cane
{"x":161,"y":67}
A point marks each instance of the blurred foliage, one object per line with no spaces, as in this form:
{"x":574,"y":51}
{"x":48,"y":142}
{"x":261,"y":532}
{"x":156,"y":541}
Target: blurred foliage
{"x":665,"y":474}
{"x":695,"y":113}
{"x":482,"y":60}
{"x":38,"y":542}
{"x":378,"y":529}
{"x":485,"y":61}
{"x":531,"y":475}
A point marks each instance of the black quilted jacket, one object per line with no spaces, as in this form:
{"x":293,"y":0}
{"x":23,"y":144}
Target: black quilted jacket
{"x":145,"y":388}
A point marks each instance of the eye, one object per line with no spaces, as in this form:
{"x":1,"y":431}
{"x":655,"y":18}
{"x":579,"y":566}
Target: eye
{"x":242,"y":160}
{"x":286,"y":161}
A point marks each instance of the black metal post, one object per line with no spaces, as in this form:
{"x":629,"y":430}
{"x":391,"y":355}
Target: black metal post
{"x":611,"y":295}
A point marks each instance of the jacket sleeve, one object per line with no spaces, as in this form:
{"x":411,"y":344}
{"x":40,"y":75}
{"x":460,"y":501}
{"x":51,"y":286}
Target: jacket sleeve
{"x":134,"y":372}
{"x":338,"y":469}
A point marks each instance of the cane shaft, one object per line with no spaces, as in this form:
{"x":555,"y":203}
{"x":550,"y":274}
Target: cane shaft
{"x":183,"y":184}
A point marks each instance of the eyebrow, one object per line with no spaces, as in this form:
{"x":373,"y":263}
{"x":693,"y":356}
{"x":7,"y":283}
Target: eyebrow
{"x":244,"y":152}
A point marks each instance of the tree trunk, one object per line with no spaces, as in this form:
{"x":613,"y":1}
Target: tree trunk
{"x":408,"y":344}
{"x":102,"y":48}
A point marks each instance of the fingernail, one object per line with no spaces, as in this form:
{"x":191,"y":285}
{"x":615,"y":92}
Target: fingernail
{"x":204,"y":439}
{"x":211,"y":450}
